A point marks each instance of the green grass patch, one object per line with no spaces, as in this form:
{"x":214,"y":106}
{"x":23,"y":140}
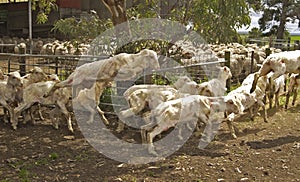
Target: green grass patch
{"x":295,"y":37}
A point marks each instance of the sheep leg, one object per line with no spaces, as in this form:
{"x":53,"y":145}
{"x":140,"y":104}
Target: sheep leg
{"x":146,"y":128}
{"x":229,"y":120}
{"x":151,"y":135}
{"x":265,"y":114}
{"x":13,"y":120}
{"x":270,"y":96}
{"x":277,"y":99}
{"x":67,"y":115}
{"x":287,"y":100}
{"x":295,"y":96}
{"x":102,"y":115}
{"x":53,"y":119}
{"x":287,"y":97}
{"x":40,"y":113}
{"x":5,"y":115}
{"x":20,"y":109}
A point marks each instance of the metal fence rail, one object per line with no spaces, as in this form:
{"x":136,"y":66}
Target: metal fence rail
{"x":64,"y":65}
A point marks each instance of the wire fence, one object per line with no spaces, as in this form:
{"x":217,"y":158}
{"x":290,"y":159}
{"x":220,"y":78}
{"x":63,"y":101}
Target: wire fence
{"x":283,"y":44}
{"x":64,"y":65}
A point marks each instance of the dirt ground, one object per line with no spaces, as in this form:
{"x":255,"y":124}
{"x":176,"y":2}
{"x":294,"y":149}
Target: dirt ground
{"x":263,"y":152}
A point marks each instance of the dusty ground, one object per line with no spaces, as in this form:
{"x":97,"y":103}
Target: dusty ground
{"x":262,"y":152}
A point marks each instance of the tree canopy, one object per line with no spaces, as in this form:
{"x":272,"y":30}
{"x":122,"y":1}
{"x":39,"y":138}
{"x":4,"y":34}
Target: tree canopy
{"x":276,"y":13}
{"x":215,"y":20}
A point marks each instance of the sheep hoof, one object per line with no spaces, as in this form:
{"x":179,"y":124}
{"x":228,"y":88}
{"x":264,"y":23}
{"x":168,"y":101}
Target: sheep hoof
{"x":152,"y":151}
{"x":90,"y":121}
{"x":234,"y":136}
{"x":55,"y":126}
{"x":180,"y":137}
{"x":106,"y":122}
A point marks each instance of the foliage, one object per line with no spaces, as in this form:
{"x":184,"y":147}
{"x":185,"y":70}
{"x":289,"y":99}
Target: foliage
{"x":215,"y":20}
{"x":83,"y":29}
{"x":255,"y":33}
{"x":276,"y":13}
{"x":45,"y":7}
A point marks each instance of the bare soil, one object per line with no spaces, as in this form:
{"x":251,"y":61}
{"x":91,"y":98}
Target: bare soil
{"x":262,"y":152}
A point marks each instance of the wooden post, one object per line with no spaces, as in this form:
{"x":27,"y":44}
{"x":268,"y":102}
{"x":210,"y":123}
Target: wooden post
{"x":227,"y":63}
{"x":268,"y":51}
{"x":289,"y":43}
{"x":297,"y":45}
{"x":56,"y":65}
{"x":252,"y":62}
{"x":22,"y":61}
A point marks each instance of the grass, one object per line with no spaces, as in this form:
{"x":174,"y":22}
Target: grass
{"x":24,"y":175}
{"x":295,"y":37}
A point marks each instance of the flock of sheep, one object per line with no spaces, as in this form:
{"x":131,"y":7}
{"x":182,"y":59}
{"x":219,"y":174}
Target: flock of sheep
{"x":161,"y":106}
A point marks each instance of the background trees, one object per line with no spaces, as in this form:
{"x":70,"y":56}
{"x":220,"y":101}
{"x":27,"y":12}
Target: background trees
{"x":276,"y":13}
{"x":215,"y":20}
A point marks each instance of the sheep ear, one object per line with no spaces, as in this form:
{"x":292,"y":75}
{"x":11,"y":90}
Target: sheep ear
{"x":218,"y":67}
{"x":144,"y":52}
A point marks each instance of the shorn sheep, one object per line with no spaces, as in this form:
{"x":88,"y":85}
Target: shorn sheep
{"x":117,"y":68}
{"x":8,"y":92}
{"x":214,"y":87}
{"x":279,"y":63}
{"x":34,"y":93}
{"x":293,"y":89}
{"x":191,"y":108}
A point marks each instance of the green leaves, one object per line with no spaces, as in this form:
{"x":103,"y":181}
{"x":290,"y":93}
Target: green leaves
{"x":276,"y":13}
{"x":215,"y":20}
{"x":45,"y":7}
{"x":82,"y":30}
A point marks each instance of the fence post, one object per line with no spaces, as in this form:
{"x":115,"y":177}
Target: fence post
{"x":268,"y":52}
{"x":227,"y":63}
{"x":297,"y":44}
{"x":289,"y":43}
{"x":22,"y":61}
{"x":252,"y":61}
{"x":56,"y":65}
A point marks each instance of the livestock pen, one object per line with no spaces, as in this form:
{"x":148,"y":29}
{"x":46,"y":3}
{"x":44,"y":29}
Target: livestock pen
{"x":64,"y":65}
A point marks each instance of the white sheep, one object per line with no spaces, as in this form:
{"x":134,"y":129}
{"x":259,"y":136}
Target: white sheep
{"x":118,"y":68}
{"x":8,"y":91}
{"x":279,"y":64}
{"x":214,"y":87}
{"x":191,"y":108}
{"x":276,"y":88}
{"x":293,"y":89}
{"x":88,"y":99}
{"x":34,"y":93}
{"x":246,"y":99}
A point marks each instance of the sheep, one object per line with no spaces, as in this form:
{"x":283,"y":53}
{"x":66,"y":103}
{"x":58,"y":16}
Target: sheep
{"x":246,"y":99}
{"x":34,"y":93}
{"x":141,"y":97}
{"x":118,"y":68}
{"x":8,"y":93}
{"x":277,"y":89}
{"x":35,"y":75}
{"x":293,"y":88}
{"x":88,"y":100}
{"x":194,"y":107}
{"x":279,"y":63}
{"x":214,"y":87}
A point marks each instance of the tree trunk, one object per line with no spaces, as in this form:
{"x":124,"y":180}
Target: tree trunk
{"x":117,"y":9}
{"x":281,"y":28}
